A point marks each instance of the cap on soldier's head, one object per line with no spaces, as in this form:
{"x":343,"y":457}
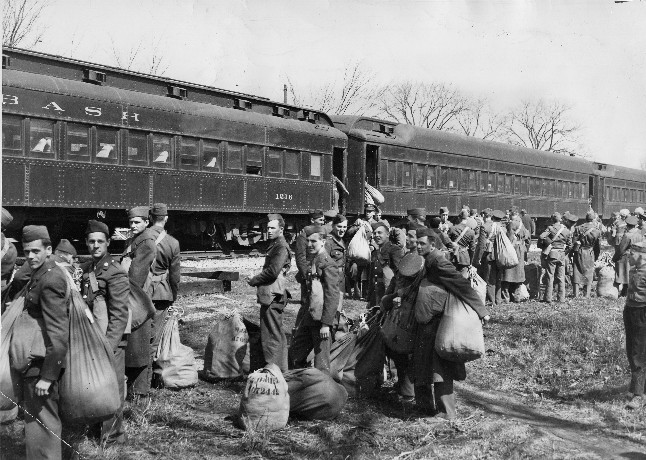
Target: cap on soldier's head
{"x":515,"y":224}
{"x":338,"y":219}
{"x":498,"y":214}
{"x":94,"y":226}
{"x":444,"y":210}
{"x":34,"y":232}
{"x":632,"y":220}
{"x":464,"y":214}
{"x":66,"y":246}
{"x":422,"y":232}
{"x":330,"y":214}
{"x":572,"y":218}
{"x":435,"y":222}
{"x":487,"y":211}
{"x":411,"y":264}
{"x":159,"y":209}
{"x":523,"y":211}
{"x":556,"y":217}
{"x":369,"y":207}
{"x":417,"y":212}
{"x":278,"y":217}
{"x":472,"y":223}
{"x":639,"y":211}
{"x":624,"y":213}
{"x":590,"y":216}
{"x":316,"y":213}
{"x":139,"y":211}
{"x":6,"y":217}
{"x":376,"y":225}
{"x":473,"y":212}
{"x":312,"y":229}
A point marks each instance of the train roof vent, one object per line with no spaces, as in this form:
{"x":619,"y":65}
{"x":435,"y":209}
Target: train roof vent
{"x":385,"y":129}
{"x":308,"y":115}
{"x":6,"y":61}
{"x":94,"y":76}
{"x":601,"y":166}
{"x":242,"y":104}
{"x":281,"y":111}
{"x":177,"y":92}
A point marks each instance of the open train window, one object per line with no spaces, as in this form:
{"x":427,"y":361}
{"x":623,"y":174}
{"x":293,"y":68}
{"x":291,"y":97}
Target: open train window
{"x":106,"y":145}
{"x":188,"y":153}
{"x":77,"y":143}
{"x":420,"y":176}
{"x":234,"y":158}
{"x":41,"y":139}
{"x":11,"y":135}
{"x":254,"y":160}
{"x":137,"y":148}
{"x":162,"y":153}
{"x":453,"y":178}
{"x":431,"y":177}
{"x":211,"y":158}
{"x":292,"y":160}
{"x":407,"y":175}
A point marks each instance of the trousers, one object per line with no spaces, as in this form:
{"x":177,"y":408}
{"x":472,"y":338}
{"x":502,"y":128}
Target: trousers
{"x":555,"y":271}
{"x":403,"y":366}
{"x":635,"y":324}
{"x":307,"y":337}
{"x":43,"y":427}
{"x":272,"y":336}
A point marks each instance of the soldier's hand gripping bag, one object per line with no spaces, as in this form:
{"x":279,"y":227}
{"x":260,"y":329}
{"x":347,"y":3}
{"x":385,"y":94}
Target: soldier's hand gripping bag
{"x":10,"y":381}
{"x":227,"y":350}
{"x":175,"y":361}
{"x":314,"y":395}
{"x":89,"y":391}
{"x":265,"y":401}
{"x":459,"y":336}
{"x":140,"y":306}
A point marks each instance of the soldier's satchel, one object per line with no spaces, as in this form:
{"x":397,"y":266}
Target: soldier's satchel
{"x":264,"y":405}
{"x":265,"y":294}
{"x":315,"y":305}
{"x":140,"y":307}
{"x":359,"y":249}
{"x":430,"y":301}
{"x":459,"y":336}
{"x":547,"y":249}
{"x":506,"y":256}
{"x":10,"y":380}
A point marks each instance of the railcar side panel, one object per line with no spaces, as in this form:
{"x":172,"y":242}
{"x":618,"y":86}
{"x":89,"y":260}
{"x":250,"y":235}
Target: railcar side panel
{"x":13,"y":182}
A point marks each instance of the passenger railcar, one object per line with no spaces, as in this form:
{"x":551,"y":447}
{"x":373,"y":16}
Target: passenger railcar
{"x":81,"y":140}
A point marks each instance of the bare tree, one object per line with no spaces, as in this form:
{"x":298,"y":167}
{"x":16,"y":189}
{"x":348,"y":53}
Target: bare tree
{"x":431,"y":105}
{"x":479,"y":120}
{"x":543,"y":126}
{"x":356,"y":93}
{"x":140,"y":57}
{"x":21,"y":25}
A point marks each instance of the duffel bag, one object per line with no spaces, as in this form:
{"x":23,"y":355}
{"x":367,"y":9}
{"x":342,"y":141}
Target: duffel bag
{"x":227,"y":350}
{"x":265,"y":401}
{"x":314,"y":395}
{"x":459,"y":336}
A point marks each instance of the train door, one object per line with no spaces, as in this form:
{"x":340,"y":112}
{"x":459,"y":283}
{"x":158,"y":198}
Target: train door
{"x":595,"y":195}
{"x":339,"y":165}
{"x":372,"y":164}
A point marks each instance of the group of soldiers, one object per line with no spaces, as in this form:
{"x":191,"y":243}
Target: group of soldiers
{"x":151,"y":262}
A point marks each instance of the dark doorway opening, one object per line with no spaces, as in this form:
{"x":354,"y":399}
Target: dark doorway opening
{"x":372,"y":162}
{"x":339,"y":171}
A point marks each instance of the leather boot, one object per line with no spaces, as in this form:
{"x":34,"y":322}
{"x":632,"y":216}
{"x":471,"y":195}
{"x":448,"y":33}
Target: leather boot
{"x":575,"y":290}
{"x":445,"y":399}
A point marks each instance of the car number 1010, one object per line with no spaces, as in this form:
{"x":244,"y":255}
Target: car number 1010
{"x":283,"y":196}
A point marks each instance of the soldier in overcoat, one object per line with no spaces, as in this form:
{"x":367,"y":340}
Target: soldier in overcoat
{"x":105,"y":288}
{"x":622,"y":254}
{"x":384,"y":262}
{"x":585,"y":239}
{"x":512,"y":277}
{"x":138,"y":258}
{"x":484,"y":258}
{"x":557,"y":241}
{"x":335,"y":247}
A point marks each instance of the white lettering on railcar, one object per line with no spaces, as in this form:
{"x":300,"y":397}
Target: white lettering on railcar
{"x":283,"y":196}
{"x":126,"y":115}
{"x":9,"y":99}
{"x":54,"y":106}
{"x":94,"y":111}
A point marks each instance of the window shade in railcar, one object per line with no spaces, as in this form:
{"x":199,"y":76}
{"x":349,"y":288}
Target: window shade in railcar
{"x":211,"y":158}
{"x":106,"y":145}
{"x":234,"y":158}
{"x":77,"y":142}
{"x":315,"y":166}
{"x":292,"y":160}
{"x":255,"y":154}
{"x":12,"y":135}
{"x":162,"y":152}
{"x":41,"y":139}
{"x":137,"y":152}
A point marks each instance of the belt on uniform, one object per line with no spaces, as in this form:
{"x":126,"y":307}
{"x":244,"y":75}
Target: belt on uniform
{"x":162,"y":277}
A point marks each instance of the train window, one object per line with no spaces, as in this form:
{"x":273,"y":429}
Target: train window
{"x":500,"y":181}
{"x":188,"y":154}
{"x":484,"y":180}
{"x":41,"y":139}
{"x":431,"y":178}
{"x":443,"y":181}
{"x":464,"y":179}
{"x":293,"y":163}
{"x":523,"y":185}
{"x":254,"y":159}
{"x":234,"y":158}
{"x":420,"y":176}
{"x":275,"y":162}
{"x":11,"y":135}
{"x":162,"y":157}
{"x":453,"y":178}
{"x":383,"y":172}
{"x":137,"y":143}
{"x":407,"y":175}
{"x":508,"y":184}
{"x":211,"y":158}
{"x":106,"y":145}
{"x":392,"y":172}
{"x":625,"y":195}
{"x":315,"y":166}
{"x":77,"y":141}
{"x":472,"y":185}
{"x":608,"y":197}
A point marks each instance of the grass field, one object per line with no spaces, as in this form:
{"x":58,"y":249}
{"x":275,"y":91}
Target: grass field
{"x":552,"y":385}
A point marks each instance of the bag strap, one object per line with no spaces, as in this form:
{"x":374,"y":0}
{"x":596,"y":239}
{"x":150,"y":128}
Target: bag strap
{"x":559,"y":232}
{"x":5,"y":246}
{"x":464,"y":232}
{"x":161,"y":236}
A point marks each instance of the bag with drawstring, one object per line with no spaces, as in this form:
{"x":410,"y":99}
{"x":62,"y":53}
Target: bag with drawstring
{"x":227,"y":351}
{"x":175,"y":361}
{"x":265,"y":400}
{"x":359,"y":249}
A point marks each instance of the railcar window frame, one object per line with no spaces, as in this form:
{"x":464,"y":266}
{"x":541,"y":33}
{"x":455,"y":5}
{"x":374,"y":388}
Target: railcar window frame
{"x":420,"y":179}
{"x":407,"y":174}
{"x":99,"y":134}
{"x":79,"y":128}
{"x":42,"y":143}
{"x":431,"y":177}
{"x":463,"y":179}
{"x":508,"y":184}
{"x":157,"y":159}
{"x":443,"y":178}
{"x":314,"y":159}
{"x":6,"y":130}
{"x":234,"y":156}
{"x":142,"y":137}
{"x":472,"y":180}
{"x":391,"y":178}
{"x":210,"y":146}
{"x":524,"y":188}
{"x":183,"y":142}
{"x":253,"y":162}
{"x":294,"y":163}
{"x":275,"y":162}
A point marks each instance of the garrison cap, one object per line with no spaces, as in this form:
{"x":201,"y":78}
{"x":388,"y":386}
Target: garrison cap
{"x":6,"y":217}
{"x":376,"y":225}
{"x":417,"y":212}
{"x":139,"y":211}
{"x":159,"y":209}
{"x":34,"y":232}
{"x":572,"y":217}
{"x":487,"y":211}
{"x":94,"y":226}
{"x":639,"y":211}
{"x":411,"y":264}
{"x":312,"y":229}
{"x":498,"y":214}
{"x":444,"y":210}
{"x":422,"y":232}
{"x":632,"y":220}
{"x":316,"y":213}
{"x":338,"y":219}
{"x":369,"y":207}
{"x":330,"y":214}
{"x":66,"y":246}
{"x":624,"y":213}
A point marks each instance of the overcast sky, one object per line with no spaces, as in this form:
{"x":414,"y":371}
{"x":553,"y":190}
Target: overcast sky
{"x":590,"y":54}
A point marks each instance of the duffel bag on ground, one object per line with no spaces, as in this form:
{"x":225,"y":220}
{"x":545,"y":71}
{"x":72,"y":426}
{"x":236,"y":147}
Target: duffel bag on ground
{"x":265,"y":401}
{"x":227,"y":351}
{"x":314,"y":395}
{"x":175,"y":361}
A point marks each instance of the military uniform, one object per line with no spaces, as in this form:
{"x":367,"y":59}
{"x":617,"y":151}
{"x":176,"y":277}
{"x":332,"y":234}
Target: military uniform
{"x":357,"y":270}
{"x":384,"y":261}
{"x":555,"y":260}
{"x":622,"y":256}
{"x":485,"y":258}
{"x":585,"y":240}
{"x":105,"y":288}
{"x":9,"y":255}
{"x":307,"y":332}
{"x":141,"y":249}
{"x":272,"y":304}
{"x":335,"y":247}
{"x":463,"y":255}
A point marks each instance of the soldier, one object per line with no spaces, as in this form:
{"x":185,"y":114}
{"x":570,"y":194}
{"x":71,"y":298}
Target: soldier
{"x":137,"y":259}
{"x":463,"y":242}
{"x":65,"y":251}
{"x":357,"y":270}
{"x":513,"y":277}
{"x":434,"y":226}
{"x":46,"y":303}
{"x":585,"y":239}
{"x":384,"y":261}
{"x":485,"y":256}
{"x":272,"y":295}
{"x":445,"y":223}
{"x":105,"y":288}
{"x":9,"y":252}
{"x":312,"y":332}
{"x":639,"y":213}
{"x":417,"y":215}
{"x":165,"y":272}
{"x":302,"y":263}
{"x":622,"y":254}
{"x":528,"y":222}
{"x":556,"y":240}
{"x":335,"y":247}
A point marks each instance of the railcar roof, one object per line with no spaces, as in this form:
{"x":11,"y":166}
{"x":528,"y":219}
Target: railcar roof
{"x":47,"y":84}
{"x":620,"y":172}
{"x":441,"y":141}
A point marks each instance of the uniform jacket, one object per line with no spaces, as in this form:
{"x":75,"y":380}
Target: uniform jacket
{"x":388,"y":255}
{"x":586,"y":236}
{"x":142,"y":252}
{"x":485,"y":239}
{"x":167,"y":267}
{"x":617,"y":231}
{"x":562,"y":242}
{"x":467,"y":244}
{"x":528,"y":223}
{"x":277,"y":258}
{"x":335,"y":248}
{"x":440,"y":271}
{"x":301,"y":256}
{"x":327,"y":271}
{"x":445,"y":226}
{"x":630,"y":237}
{"x":446,"y":242}
{"x":114,"y":287}
{"x":8,"y":259}
{"x":47,"y":298}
